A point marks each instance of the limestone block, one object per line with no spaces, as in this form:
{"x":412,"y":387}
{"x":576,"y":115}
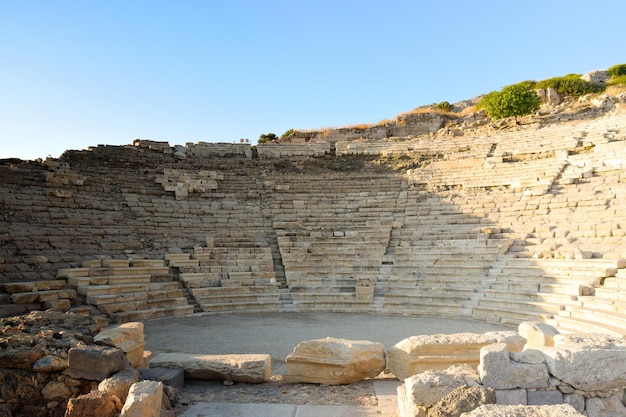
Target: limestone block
{"x":95,"y":362}
{"x":511,"y":397}
{"x":144,"y":400}
{"x":94,"y":404}
{"x":498,"y":371}
{"x":605,"y":407}
{"x":462,"y":400}
{"x":490,"y":410}
{"x":335,"y":361}
{"x":420,"y":353}
{"x":56,"y":391}
{"x":251,"y":368}
{"x":575,"y":400}
{"x":429,"y":387}
{"x":19,"y":359}
{"x":537,"y":334}
{"x":588,"y":362}
{"x":173,"y":377}
{"x":127,"y":336}
{"x":119,"y":383}
{"x":50,"y":363}
{"x":545,"y":397}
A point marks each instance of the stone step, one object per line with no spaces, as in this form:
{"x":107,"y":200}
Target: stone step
{"x":124,"y":297}
{"x":241,"y":306}
{"x":507,"y":316}
{"x":42,"y":296}
{"x":153,"y":313}
{"x":31,"y":286}
{"x":108,"y":280}
{"x":149,"y":304}
{"x":566,"y":324}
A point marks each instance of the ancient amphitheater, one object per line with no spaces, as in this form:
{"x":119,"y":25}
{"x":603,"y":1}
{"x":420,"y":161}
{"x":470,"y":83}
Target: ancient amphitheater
{"x":526,"y":223}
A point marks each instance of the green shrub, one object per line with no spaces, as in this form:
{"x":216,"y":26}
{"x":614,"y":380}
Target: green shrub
{"x":571,"y":85}
{"x":267,"y":137}
{"x":617,"y":70}
{"x":443,"y":106}
{"x":288,"y":133}
{"x":621,"y":80}
{"x":513,"y":100}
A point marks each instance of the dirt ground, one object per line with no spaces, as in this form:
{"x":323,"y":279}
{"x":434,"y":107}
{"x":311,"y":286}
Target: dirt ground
{"x":277,"y":334}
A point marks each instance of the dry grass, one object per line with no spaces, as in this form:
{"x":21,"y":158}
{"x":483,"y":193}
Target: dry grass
{"x":429,"y":110}
{"x":615,"y":89}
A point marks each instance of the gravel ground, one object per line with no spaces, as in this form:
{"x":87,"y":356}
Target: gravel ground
{"x":277,"y":334}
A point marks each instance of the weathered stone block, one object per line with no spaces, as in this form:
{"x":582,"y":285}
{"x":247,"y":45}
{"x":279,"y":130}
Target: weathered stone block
{"x":174,"y":377}
{"x":335,"y":361}
{"x":95,"y":362}
{"x":19,"y":359}
{"x":50,"y":363}
{"x":545,"y":397}
{"x":427,"y":352}
{"x":588,"y":362}
{"x":119,"y":383}
{"x":240,"y":368}
{"x":605,"y":407}
{"x":94,"y":404}
{"x":127,"y":336}
{"x":537,"y":334}
{"x":427,"y":388}
{"x":498,"y":371}
{"x":462,"y":400}
{"x":511,"y":397}
{"x":490,"y":410}
{"x":144,"y":400}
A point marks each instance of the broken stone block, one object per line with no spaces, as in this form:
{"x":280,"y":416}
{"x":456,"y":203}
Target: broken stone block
{"x":491,"y":410}
{"x":545,"y":397}
{"x":498,"y":371}
{"x":335,"y":361}
{"x":94,"y":404}
{"x":537,"y":334}
{"x":427,"y":352}
{"x":589,"y":362}
{"x":50,"y":363}
{"x":173,"y":377}
{"x":462,"y":400}
{"x":255,"y":368}
{"x":605,"y":407}
{"x":427,"y":388}
{"x":119,"y":383}
{"x":144,"y":400}
{"x":95,"y":362}
{"x":127,"y":336}
{"x":511,"y":397}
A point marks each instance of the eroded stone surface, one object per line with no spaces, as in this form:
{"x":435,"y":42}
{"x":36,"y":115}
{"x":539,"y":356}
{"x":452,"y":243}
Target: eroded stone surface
{"x":489,"y":410}
{"x":588,"y":362}
{"x":496,"y":370}
{"x":240,"y":368}
{"x":144,"y":400}
{"x":127,"y":336}
{"x":420,"y":353}
{"x":335,"y":361}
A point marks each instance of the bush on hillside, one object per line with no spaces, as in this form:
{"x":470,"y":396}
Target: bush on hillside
{"x":513,"y":100}
{"x":621,"y":80}
{"x":443,"y":106}
{"x":288,"y":133}
{"x":571,"y":85}
{"x":617,"y":71}
{"x":267,"y":137}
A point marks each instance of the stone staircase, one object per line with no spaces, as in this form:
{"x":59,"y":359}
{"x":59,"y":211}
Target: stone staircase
{"x":128,"y":290}
{"x":229,"y":279}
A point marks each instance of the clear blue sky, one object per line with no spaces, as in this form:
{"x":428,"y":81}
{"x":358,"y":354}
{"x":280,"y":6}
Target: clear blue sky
{"x":75,"y":74}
